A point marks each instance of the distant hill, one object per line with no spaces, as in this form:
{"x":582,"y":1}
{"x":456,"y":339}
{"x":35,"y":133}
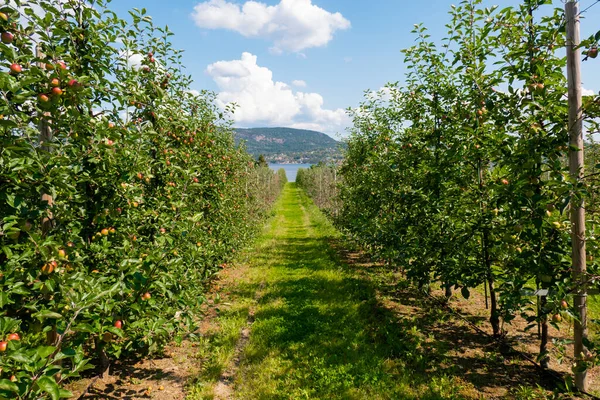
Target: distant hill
{"x":287,"y":145}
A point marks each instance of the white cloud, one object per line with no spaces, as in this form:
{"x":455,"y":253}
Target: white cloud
{"x":292,"y":25}
{"x":587,"y":92}
{"x":299,"y":83}
{"x":263,"y":101}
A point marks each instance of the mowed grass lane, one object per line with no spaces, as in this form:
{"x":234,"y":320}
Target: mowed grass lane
{"x":318,"y":331}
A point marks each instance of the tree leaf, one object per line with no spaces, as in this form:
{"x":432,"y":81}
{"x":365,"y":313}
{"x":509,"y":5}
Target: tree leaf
{"x":49,"y":385}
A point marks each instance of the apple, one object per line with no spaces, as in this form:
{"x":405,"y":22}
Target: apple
{"x":56,"y":91}
{"x":3,"y":17}
{"x":7,"y":37}
{"x":13,"y":336}
{"x":112,"y":230}
{"x":62,"y":65}
{"x":163,"y":230}
{"x":146,"y":296}
{"x":48,"y":268}
{"x":55,"y":82}
{"x":43,"y":98}
{"x":118,"y":324}
{"x":15,"y":68}
{"x":62,"y":253}
{"x":135,"y":204}
{"x":74,"y":84}
{"x":12,"y":377}
{"x":3,"y":346}
{"x":111,"y":125}
{"x":196,"y":180}
{"x":556,"y":318}
{"x":504,"y":181}
{"x":592,"y":52}
{"x":104,"y":232}
{"x":564,"y":304}
{"x":139,"y":175}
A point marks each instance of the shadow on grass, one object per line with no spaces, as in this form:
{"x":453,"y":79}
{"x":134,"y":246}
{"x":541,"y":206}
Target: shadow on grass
{"x":321,"y":319}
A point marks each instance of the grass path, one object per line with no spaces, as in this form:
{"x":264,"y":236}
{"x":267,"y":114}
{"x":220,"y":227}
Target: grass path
{"x":297,"y":322}
{"x":317,"y":332}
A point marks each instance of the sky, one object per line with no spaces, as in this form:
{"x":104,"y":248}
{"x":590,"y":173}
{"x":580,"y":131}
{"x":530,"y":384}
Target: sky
{"x":302,"y":63}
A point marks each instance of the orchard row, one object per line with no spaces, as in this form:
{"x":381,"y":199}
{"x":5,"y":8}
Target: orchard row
{"x":121,"y":193}
{"x":460,"y":176}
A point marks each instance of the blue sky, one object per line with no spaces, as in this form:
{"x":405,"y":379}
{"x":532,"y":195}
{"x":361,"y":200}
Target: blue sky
{"x":251,"y":52}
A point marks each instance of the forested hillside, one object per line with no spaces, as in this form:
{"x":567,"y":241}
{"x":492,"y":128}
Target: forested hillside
{"x":288,"y":145}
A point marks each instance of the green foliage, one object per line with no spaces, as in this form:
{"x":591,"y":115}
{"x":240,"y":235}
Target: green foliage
{"x":321,"y":183}
{"x":138,"y":197}
{"x":460,"y":175}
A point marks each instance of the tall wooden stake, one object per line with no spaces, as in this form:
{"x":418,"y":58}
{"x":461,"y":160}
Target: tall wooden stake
{"x":577,"y":204}
{"x":45,"y":139}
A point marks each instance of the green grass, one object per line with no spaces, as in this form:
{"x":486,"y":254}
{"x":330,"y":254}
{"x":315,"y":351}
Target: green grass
{"x":319,"y":332}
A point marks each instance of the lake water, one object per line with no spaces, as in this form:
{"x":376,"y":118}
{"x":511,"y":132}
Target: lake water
{"x":290,"y":169}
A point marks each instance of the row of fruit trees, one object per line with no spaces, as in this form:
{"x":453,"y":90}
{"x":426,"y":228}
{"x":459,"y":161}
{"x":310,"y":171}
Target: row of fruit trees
{"x":121,"y":192}
{"x":460,"y":175}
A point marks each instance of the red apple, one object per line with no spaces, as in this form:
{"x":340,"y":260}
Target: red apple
{"x":56,"y":91}
{"x":48,"y":268}
{"x":104,"y":232}
{"x":7,"y":37}
{"x":163,"y":230}
{"x":592,"y":53}
{"x":556,"y":318}
{"x":43,"y":98}
{"x":55,"y":82}
{"x":504,"y":181}
{"x":13,"y":336}
{"x":12,"y":377}
{"x":3,"y":346}
{"x":119,"y":324}
{"x":15,"y":68}
{"x":62,"y":65}
{"x":564,"y":304}
{"x":146,"y":296}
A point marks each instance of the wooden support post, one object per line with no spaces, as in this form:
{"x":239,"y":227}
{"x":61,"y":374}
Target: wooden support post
{"x":45,"y":139}
{"x":577,"y":204}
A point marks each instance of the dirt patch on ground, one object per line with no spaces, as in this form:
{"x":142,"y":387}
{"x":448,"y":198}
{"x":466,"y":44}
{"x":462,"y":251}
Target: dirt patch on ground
{"x":452,"y":333}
